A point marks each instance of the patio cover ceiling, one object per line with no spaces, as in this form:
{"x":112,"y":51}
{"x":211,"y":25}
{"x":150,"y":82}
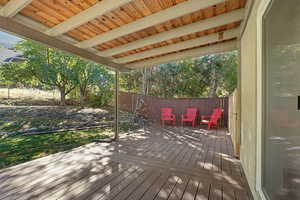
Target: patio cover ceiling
{"x":128,"y":34}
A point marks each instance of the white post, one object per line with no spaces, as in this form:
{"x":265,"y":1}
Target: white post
{"x":116,"y":105}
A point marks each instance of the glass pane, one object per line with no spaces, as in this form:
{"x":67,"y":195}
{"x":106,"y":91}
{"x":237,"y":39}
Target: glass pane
{"x":281,"y":173}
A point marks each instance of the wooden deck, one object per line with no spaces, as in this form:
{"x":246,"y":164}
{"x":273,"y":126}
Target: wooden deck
{"x":156,"y":163}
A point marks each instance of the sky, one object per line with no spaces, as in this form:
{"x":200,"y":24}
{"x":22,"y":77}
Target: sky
{"x":8,"y":40}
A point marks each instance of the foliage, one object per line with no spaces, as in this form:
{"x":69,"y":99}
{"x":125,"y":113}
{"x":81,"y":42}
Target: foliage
{"x":219,"y":73}
{"x":132,"y":81}
{"x":51,"y":68}
{"x":11,"y":73}
{"x":95,"y":78}
{"x":100,"y":96}
{"x":212,"y":75}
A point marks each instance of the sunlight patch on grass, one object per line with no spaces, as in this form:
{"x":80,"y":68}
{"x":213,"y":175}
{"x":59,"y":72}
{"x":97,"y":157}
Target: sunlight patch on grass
{"x":18,"y":149}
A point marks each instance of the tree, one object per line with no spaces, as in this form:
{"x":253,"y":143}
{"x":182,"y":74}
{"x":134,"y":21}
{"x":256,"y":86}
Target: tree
{"x":91,"y":75}
{"x":51,"y":67}
{"x":208,"y":76}
{"x":210,"y":66}
{"x":131,"y":81}
{"x":13,"y":73}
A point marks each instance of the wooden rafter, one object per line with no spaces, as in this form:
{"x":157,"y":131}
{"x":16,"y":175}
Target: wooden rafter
{"x":137,"y":32}
{"x":212,"y":38}
{"x":201,"y":51}
{"x":213,"y":22}
{"x":91,"y":13}
{"x":17,"y":28}
{"x":151,"y":20}
{"x":13,"y":7}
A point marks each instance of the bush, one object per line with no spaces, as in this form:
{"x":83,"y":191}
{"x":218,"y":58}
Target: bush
{"x":98,"y":99}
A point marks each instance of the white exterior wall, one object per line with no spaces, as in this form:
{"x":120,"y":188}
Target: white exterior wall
{"x":249,"y":99}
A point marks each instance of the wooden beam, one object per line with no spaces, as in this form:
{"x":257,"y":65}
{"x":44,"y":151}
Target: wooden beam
{"x":202,"y":51}
{"x":12,"y":26}
{"x":151,"y":20}
{"x":40,"y":27}
{"x":202,"y":25}
{"x":248,"y":9}
{"x":83,"y":17}
{"x":212,"y":38}
{"x":12,"y":7}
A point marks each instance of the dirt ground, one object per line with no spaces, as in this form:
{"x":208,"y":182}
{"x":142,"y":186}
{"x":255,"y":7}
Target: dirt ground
{"x":20,"y":117}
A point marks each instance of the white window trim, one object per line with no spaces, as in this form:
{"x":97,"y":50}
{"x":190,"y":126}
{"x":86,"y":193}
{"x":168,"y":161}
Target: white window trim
{"x":260,"y":12}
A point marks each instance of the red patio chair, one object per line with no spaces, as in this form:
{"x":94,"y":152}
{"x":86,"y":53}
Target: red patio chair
{"x":213,"y":119}
{"x":167,"y":115}
{"x":190,"y":116}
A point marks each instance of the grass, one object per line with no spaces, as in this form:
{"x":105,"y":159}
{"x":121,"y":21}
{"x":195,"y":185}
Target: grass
{"x":18,"y":149}
{"x":29,"y":93}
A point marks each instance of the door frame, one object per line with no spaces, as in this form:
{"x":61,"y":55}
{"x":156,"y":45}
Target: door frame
{"x":264,"y":5}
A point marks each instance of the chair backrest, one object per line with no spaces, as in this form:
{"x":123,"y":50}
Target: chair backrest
{"x":166,"y":111}
{"x":217,"y":113}
{"x":191,"y":112}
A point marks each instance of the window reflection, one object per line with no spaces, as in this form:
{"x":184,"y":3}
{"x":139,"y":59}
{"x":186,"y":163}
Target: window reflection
{"x":281,"y":177}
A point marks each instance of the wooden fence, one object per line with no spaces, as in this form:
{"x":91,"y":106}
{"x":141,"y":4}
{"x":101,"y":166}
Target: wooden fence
{"x":128,"y":102}
{"x":233,"y":123}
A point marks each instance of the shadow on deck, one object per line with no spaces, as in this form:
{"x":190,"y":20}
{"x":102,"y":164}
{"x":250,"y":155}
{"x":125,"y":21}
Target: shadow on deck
{"x":153,"y":163}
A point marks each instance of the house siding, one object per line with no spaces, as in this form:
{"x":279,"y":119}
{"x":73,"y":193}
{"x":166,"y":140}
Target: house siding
{"x":249,"y":99}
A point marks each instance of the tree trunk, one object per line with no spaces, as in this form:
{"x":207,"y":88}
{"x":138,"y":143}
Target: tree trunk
{"x":8,"y":91}
{"x":82,"y":96}
{"x":213,"y":85}
{"x":146,"y":80}
{"x":62,"y":96}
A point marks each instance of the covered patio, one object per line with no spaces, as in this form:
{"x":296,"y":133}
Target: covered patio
{"x":151,"y":163}
{"x":124,"y":35}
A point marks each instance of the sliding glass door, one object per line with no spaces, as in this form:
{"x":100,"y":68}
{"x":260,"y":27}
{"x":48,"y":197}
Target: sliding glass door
{"x":281,"y":121}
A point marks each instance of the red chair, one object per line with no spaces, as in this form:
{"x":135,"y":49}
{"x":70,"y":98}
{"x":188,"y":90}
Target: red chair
{"x":213,"y":119}
{"x":167,"y":115}
{"x":190,"y":116}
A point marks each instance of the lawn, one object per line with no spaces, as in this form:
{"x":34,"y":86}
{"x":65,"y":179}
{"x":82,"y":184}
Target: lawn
{"x":18,"y":149}
{"x":15,"y":120}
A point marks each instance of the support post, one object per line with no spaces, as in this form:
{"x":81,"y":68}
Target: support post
{"x":238,"y":102}
{"x":116,"y":129}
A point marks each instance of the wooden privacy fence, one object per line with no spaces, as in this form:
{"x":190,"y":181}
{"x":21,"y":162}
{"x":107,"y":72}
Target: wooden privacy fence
{"x":233,"y":122}
{"x":205,"y":106}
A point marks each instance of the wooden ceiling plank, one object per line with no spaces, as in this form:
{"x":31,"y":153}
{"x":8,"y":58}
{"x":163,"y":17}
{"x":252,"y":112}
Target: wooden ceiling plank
{"x":34,"y":13}
{"x":197,"y":52}
{"x":89,"y":14}
{"x":229,"y":34}
{"x":151,"y":20}
{"x":67,"y":8}
{"x":44,"y":8}
{"x":202,"y":25}
{"x":13,"y":7}
{"x":17,"y":28}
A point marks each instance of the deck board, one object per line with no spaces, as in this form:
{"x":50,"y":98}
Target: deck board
{"x":171,"y":163}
